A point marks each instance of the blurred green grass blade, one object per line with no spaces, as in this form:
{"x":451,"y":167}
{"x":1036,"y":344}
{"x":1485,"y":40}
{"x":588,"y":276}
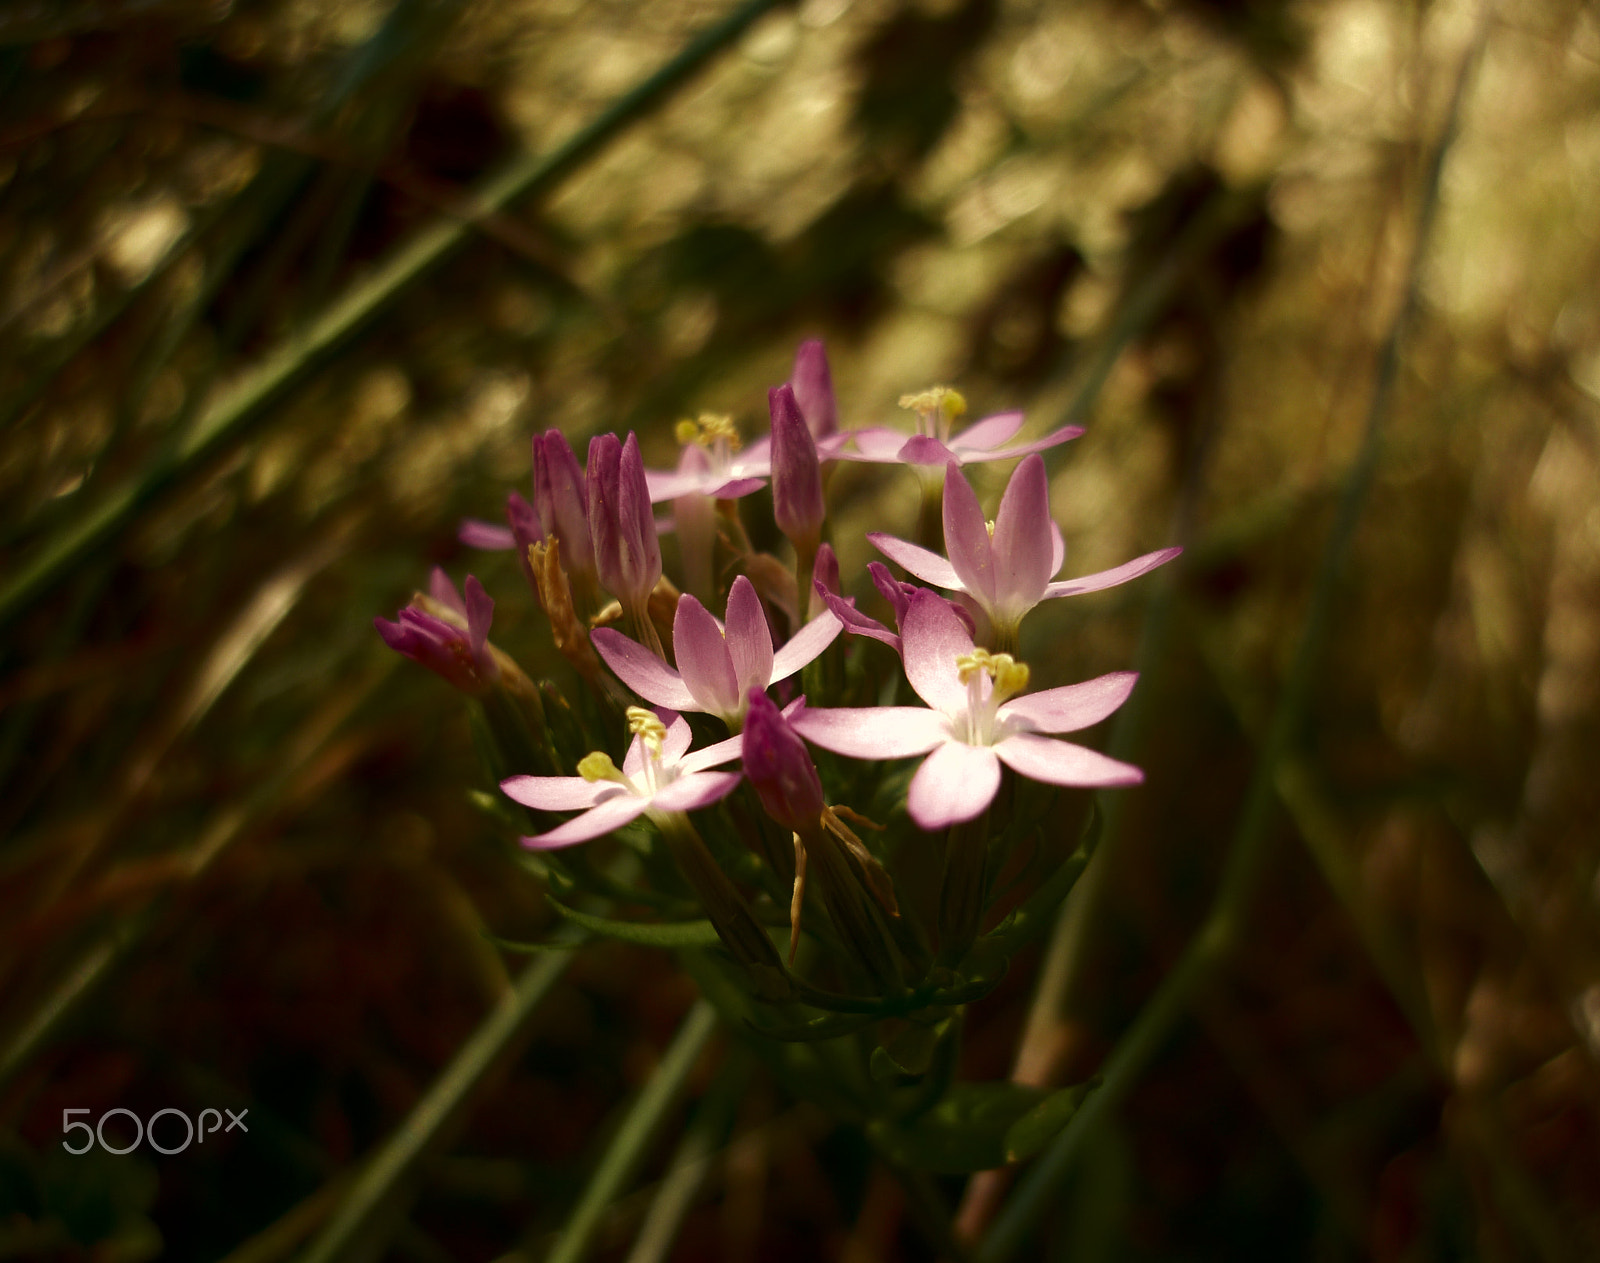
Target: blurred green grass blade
{"x":231,"y":411}
{"x":1166,"y":1008}
{"x":627,"y":1149}
{"x":359,"y":1230}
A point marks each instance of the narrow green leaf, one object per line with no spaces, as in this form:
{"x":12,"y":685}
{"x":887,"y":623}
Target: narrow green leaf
{"x":645,"y":933}
{"x":1038,"y":1127}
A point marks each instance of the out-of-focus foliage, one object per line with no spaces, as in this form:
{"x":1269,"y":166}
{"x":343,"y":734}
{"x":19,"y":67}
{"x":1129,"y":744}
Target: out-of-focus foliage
{"x":236,"y":865}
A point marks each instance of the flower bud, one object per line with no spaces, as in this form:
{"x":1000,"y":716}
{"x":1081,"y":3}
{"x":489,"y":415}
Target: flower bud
{"x":796,"y":472}
{"x":777,"y":763}
{"x":621,"y":525}
{"x":450,"y":639}
{"x":813,"y":389}
{"x":559,"y":499}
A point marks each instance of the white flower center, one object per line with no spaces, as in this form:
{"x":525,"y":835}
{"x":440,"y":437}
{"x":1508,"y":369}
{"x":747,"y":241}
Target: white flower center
{"x":936,"y":408}
{"x":991,"y":678}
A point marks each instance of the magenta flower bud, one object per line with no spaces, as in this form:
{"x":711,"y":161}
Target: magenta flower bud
{"x":796,"y":473}
{"x":813,"y":389}
{"x":560,"y":498}
{"x":621,"y":526}
{"x":826,"y":571}
{"x":525,"y":530}
{"x":456,"y":648}
{"x":777,"y":763}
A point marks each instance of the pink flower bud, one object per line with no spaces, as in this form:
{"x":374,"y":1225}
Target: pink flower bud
{"x":778,"y":765}
{"x":559,"y":498}
{"x":456,"y":647}
{"x":796,"y":472}
{"x":621,"y":526}
{"x":813,"y":389}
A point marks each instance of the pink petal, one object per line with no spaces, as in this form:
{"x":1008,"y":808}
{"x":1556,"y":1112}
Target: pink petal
{"x":711,"y":756}
{"x":966,"y":537}
{"x":698,"y":789}
{"x":1058,"y":549}
{"x":980,"y":436}
{"x":480,"y":615}
{"x":754,"y":459}
{"x":955,"y":783}
{"x":734,"y":488}
{"x":923,"y":449}
{"x":476,"y":533}
{"x":598,"y":821}
{"x":1022,"y":539}
{"x":1062,"y":435}
{"x":873,"y":732}
{"x":703,"y":659}
{"x":444,"y":591}
{"x":1073,"y":706}
{"x":804,"y":646}
{"x":929,"y":567}
{"x":749,"y":640}
{"x":932,"y":637}
{"x":554,"y":793}
{"x":678,"y":739}
{"x":643,"y":672}
{"x":1110,"y":578}
{"x":1062,"y":763}
{"x":878,"y":444}
{"x":854,"y":621}
{"x":669,"y":484}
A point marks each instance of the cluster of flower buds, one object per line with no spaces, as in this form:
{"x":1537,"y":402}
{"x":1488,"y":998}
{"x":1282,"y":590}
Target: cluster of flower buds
{"x":727,"y":686}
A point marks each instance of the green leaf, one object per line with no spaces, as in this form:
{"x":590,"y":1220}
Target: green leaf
{"x":645,"y":933}
{"x":969,"y":1130}
{"x":525,"y":948}
{"x":1039,"y":1126}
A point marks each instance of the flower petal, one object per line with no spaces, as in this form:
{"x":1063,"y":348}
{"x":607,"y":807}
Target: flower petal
{"x":489,"y":536}
{"x":1022,"y":539}
{"x":643,"y":672}
{"x":1073,"y":706}
{"x":1062,"y":763}
{"x":983,"y":435}
{"x":749,"y":640}
{"x":966,"y":537}
{"x":1110,"y":578}
{"x":878,"y":444}
{"x":443,"y":590}
{"x":1058,"y":548}
{"x":554,"y":793}
{"x":932,"y":637}
{"x":873,"y":732}
{"x":924,"y":449}
{"x":854,"y":621}
{"x":698,"y":789}
{"x":955,"y":783}
{"x":735,"y":488}
{"x":1062,"y":435}
{"x":678,"y":738}
{"x":711,"y":756}
{"x":803,"y":647}
{"x":598,"y":821}
{"x":927,"y":566}
{"x":703,"y":659}
{"x":813,"y":389}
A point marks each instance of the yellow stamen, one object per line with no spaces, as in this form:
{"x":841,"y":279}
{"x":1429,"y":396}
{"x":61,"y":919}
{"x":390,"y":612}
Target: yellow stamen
{"x":645,"y":725}
{"x":969,"y":664}
{"x":717,"y":425}
{"x":686,"y":432}
{"x":1010,"y":676}
{"x":599,"y":767}
{"x":989,"y":526}
{"x":945,"y":399}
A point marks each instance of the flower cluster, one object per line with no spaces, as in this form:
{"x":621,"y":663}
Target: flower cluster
{"x":728,"y":686}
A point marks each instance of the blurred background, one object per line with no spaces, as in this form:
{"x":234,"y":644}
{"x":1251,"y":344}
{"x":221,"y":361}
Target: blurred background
{"x":285,"y":287}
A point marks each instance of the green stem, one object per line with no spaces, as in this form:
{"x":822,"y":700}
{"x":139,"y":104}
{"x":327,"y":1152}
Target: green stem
{"x":234,"y":409}
{"x":627,"y":1149}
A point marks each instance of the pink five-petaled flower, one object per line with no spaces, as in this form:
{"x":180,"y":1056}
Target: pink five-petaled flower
{"x":659,"y":775}
{"x":454,"y":643}
{"x":1004,"y":568}
{"x":718,"y":668}
{"x":974,"y":722}
{"x":933,"y":444}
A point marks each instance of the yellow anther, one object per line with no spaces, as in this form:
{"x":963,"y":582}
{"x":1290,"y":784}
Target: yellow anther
{"x":1010,"y":676}
{"x":716,"y":425}
{"x":989,"y":526}
{"x":941,"y":399}
{"x":970,"y":664}
{"x":598,"y":767}
{"x":647,"y":727}
{"x":686,"y":432}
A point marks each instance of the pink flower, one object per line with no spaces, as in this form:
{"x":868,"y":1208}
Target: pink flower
{"x":898,"y":595}
{"x":718,"y":667}
{"x":1004,"y":568}
{"x":659,"y":775}
{"x":454,"y":641}
{"x":973,"y":723}
{"x":714,"y":463}
{"x":933,"y":444}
